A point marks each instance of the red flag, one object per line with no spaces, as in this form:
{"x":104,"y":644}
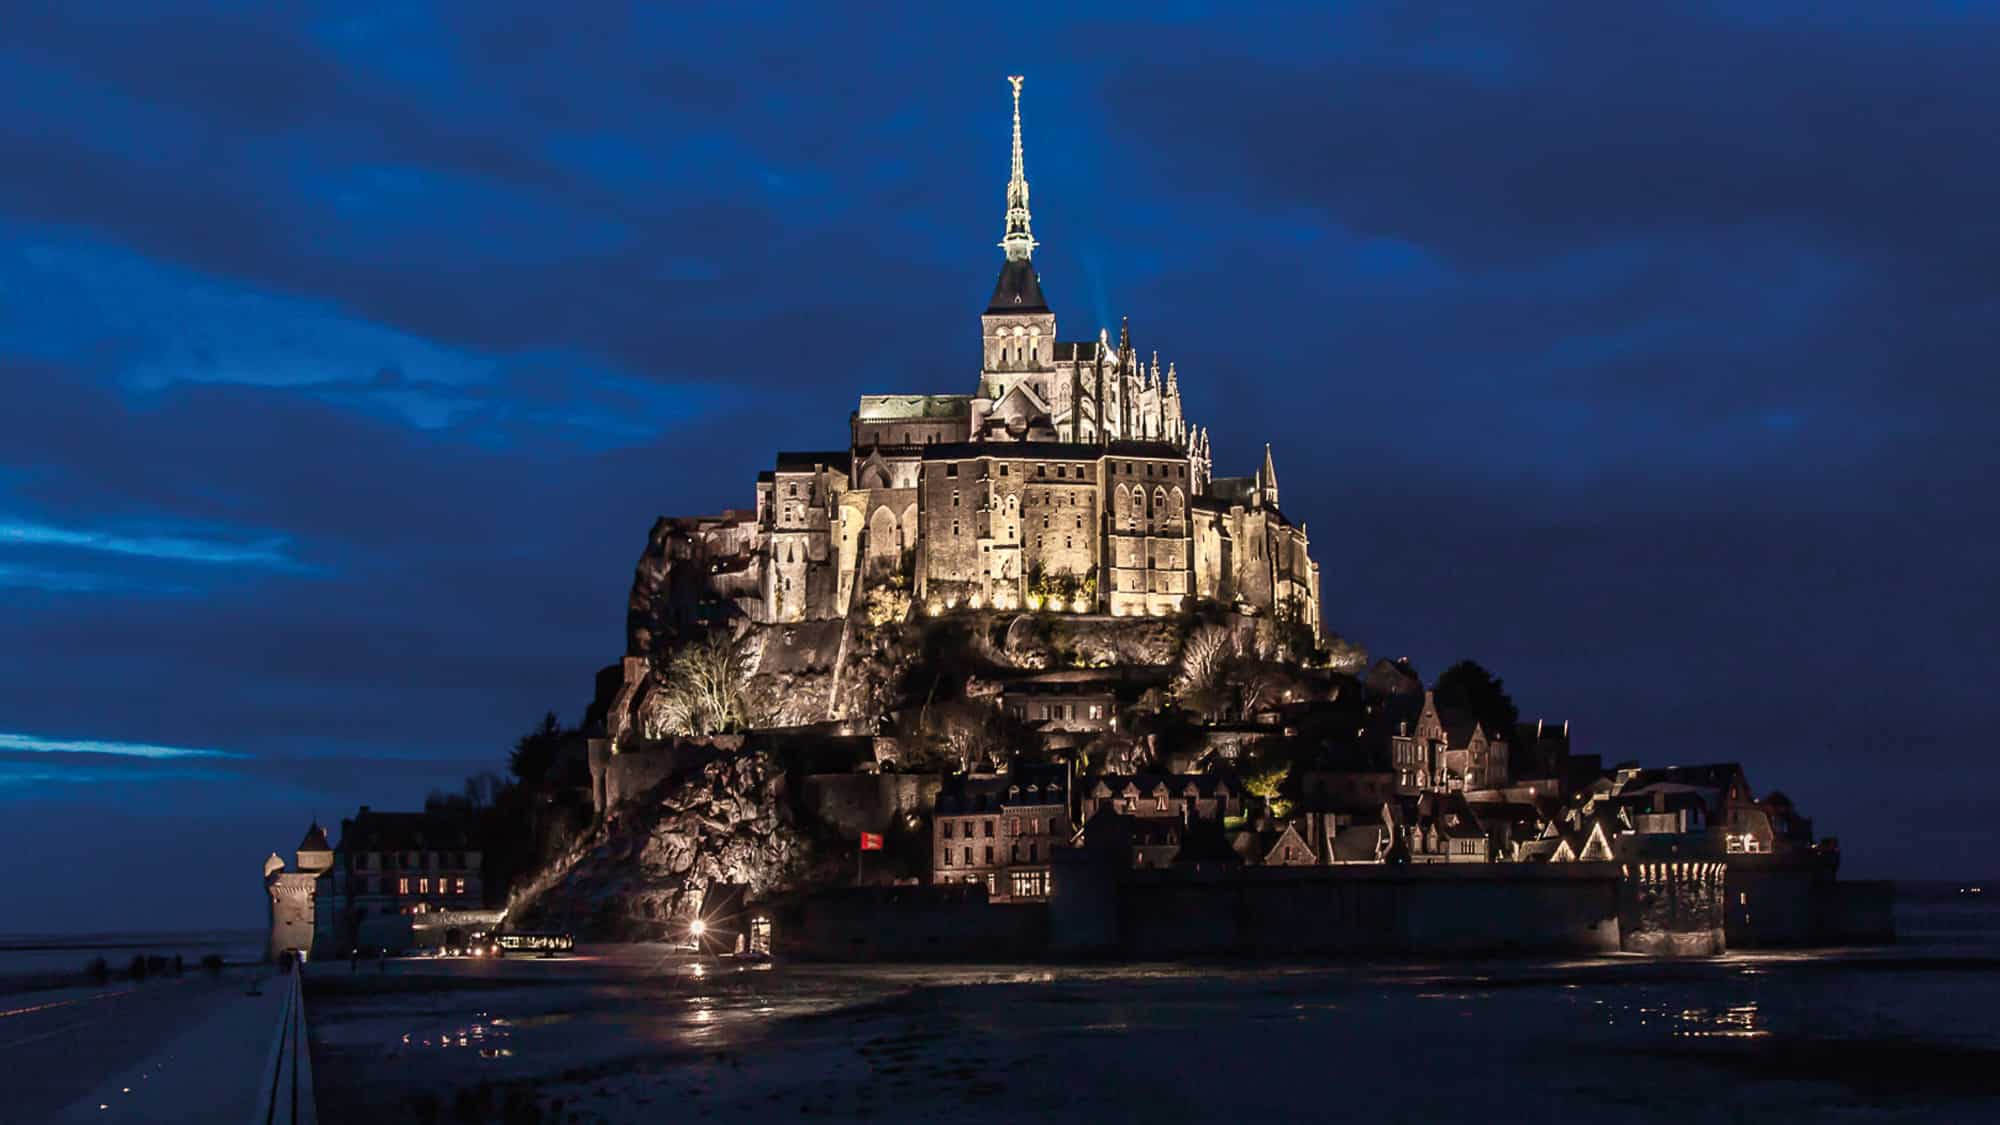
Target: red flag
{"x":871,"y":842}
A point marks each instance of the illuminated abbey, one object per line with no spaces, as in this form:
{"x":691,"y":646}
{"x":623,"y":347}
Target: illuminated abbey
{"x":1070,"y":479}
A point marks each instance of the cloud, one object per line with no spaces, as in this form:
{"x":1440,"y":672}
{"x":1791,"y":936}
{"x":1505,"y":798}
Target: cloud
{"x":171,"y":548}
{"x":60,"y":581}
{"x":38,"y":744}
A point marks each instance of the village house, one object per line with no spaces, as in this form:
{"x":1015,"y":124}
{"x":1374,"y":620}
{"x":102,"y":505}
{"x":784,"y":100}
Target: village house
{"x":1436,"y":828}
{"x":1061,"y":706}
{"x":1447,"y":750}
{"x":1000,"y":832}
{"x":1138,"y":842}
{"x":390,"y":863}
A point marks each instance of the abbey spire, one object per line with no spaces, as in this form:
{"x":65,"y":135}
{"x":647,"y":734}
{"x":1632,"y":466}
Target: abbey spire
{"x":1019,"y":241}
{"x":1019,"y":290}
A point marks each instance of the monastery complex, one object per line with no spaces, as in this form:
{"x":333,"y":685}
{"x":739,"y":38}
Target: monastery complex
{"x":1070,"y":478}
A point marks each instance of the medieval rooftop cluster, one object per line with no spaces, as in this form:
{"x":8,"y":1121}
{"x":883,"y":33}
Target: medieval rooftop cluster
{"x":1337,"y":771}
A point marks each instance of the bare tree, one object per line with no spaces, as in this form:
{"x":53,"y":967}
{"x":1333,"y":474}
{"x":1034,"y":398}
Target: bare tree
{"x":705,"y":691}
{"x":1205,"y":656}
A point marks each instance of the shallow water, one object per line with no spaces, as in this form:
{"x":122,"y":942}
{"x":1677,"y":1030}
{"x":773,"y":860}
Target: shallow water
{"x":1901,"y":1033}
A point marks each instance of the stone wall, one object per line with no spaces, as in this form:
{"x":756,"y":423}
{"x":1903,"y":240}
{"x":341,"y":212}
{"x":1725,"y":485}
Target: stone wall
{"x":291,"y":895}
{"x":1672,"y":908}
{"x":1258,"y":912}
{"x":912,"y":923}
{"x":1778,"y":900}
{"x":627,"y":774}
{"x":1394,"y":910}
{"x":869,"y":802}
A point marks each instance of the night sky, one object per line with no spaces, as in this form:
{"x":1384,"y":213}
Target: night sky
{"x":345,"y":362}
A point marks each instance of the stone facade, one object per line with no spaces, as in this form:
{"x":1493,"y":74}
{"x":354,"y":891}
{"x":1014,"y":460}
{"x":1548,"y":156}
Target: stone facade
{"x":1447,"y":752}
{"x":294,"y":894}
{"x":397,"y":864}
{"x":1001,"y":833}
{"x":1069,"y":479}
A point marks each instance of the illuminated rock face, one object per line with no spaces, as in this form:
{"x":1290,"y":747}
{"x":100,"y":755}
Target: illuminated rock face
{"x":1069,"y":478}
{"x":644,"y":867}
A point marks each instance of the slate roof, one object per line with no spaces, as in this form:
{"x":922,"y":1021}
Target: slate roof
{"x":315,"y":840}
{"x":804,"y":462}
{"x":1715,"y":775}
{"x":1080,"y":350}
{"x":1026,"y":786}
{"x":1357,"y":843}
{"x":1019,"y":289}
{"x":879,"y":408}
{"x":371,"y":831}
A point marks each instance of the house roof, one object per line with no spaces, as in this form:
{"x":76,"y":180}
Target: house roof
{"x":1714,"y":775}
{"x":1357,"y":842}
{"x":371,"y":831}
{"x":1175,"y":784}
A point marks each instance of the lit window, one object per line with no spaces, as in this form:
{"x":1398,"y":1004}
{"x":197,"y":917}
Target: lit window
{"x":423,"y":886}
{"x":403,"y":886}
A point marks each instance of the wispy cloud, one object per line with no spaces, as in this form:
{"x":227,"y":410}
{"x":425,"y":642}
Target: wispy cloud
{"x":81,"y":582}
{"x":37,"y":744}
{"x":176,"y":548}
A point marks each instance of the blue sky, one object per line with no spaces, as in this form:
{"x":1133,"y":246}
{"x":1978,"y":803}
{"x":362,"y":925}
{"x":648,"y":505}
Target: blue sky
{"x":346,"y":357}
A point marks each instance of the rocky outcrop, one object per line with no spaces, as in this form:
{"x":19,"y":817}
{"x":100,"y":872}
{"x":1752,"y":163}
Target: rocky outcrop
{"x":642,"y":869}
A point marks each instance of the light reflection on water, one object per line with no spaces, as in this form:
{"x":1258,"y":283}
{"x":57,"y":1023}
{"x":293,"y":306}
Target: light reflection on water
{"x":1732,"y":1021}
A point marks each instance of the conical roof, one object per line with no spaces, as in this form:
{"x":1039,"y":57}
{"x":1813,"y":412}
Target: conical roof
{"x":1018,"y":290}
{"x":315,"y":840}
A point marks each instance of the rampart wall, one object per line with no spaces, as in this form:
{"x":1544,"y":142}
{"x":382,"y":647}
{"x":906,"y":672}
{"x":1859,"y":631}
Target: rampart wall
{"x":869,"y":802}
